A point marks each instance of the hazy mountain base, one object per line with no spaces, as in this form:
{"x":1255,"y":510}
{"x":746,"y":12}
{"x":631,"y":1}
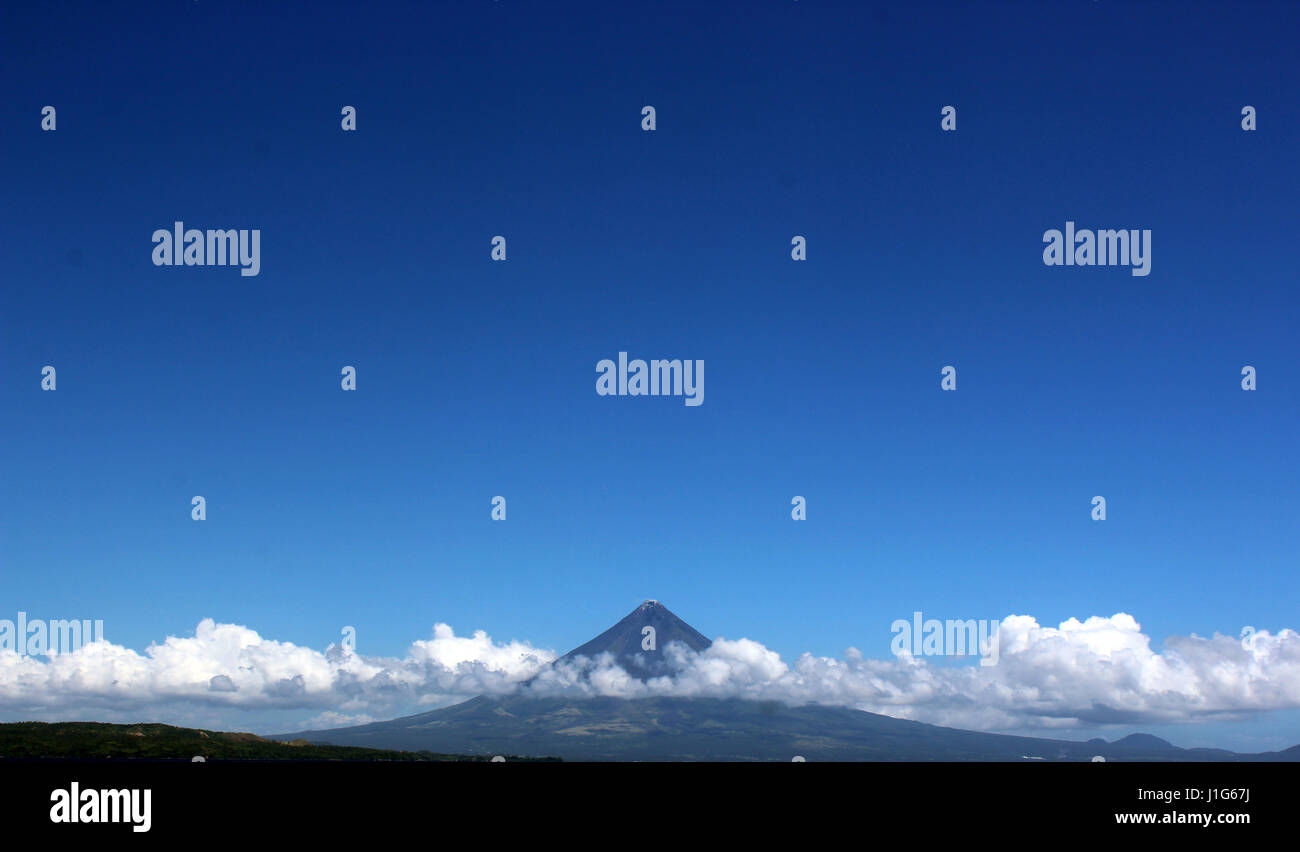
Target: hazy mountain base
{"x":715,"y":729}
{"x":97,"y":741}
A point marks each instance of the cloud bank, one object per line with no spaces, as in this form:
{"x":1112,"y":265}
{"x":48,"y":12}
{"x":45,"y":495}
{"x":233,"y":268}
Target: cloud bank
{"x":1079,"y":674}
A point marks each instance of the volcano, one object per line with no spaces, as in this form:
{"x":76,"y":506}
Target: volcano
{"x":638,"y":641}
{"x":711,"y":729}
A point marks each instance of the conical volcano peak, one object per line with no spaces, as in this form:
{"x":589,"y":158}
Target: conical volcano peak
{"x":637,"y":642}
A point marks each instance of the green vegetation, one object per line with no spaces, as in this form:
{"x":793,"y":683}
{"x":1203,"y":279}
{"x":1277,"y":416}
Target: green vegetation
{"x":96,"y":741}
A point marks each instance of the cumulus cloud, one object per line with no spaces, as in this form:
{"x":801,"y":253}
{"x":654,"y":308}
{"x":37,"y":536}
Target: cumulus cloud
{"x":1078,"y":674}
{"x":232,"y":667}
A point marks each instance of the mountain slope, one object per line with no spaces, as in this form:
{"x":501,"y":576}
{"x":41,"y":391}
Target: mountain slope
{"x":638,"y":640}
{"x":717,"y":729}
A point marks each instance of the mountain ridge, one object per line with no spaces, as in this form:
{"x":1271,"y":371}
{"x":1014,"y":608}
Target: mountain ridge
{"x":604,"y":728}
{"x":152,"y":741}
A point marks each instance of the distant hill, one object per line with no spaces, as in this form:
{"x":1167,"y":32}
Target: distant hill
{"x":96,"y":740}
{"x":1143,"y":741}
{"x":714,"y":729}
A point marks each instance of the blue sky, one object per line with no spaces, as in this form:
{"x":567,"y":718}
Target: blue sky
{"x":476,"y":378}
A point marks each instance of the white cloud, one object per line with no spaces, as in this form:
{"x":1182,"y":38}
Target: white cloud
{"x":1079,"y":674}
{"x":330,"y":719}
{"x":232,"y":667}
